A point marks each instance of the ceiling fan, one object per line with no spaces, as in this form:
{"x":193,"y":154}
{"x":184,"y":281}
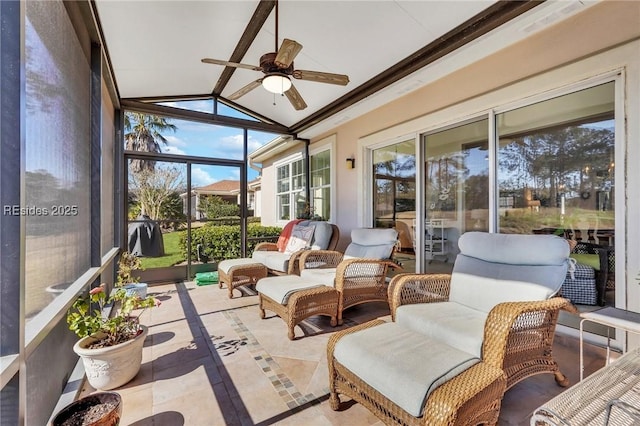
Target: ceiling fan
{"x":278,"y":69}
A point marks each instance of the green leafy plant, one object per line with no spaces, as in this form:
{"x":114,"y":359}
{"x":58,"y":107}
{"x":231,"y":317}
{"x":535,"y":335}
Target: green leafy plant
{"x":126,"y":265}
{"x":87,"y":317}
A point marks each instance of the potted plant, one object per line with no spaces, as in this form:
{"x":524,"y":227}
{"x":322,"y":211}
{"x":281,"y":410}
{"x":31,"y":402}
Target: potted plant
{"x":126,"y":265}
{"x":110,"y":345}
{"x":97,"y":409}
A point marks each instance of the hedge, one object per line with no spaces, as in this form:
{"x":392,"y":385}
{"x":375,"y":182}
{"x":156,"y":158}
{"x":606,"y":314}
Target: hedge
{"x":219,"y":242}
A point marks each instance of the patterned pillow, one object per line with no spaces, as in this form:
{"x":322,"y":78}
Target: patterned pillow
{"x":300,"y":238}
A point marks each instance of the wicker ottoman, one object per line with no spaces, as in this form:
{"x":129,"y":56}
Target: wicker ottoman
{"x":293,"y":299}
{"x":237,"y":272}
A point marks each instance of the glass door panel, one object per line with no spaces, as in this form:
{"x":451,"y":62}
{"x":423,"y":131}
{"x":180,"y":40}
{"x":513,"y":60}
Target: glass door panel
{"x":394,"y":200}
{"x":456,"y":190}
{"x":156,"y":219}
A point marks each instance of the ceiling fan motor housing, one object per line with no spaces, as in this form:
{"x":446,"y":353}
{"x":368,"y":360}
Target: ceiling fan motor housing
{"x":267,"y":63}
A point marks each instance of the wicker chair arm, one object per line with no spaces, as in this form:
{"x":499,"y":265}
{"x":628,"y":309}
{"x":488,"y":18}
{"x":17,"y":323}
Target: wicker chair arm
{"x":319,"y":259}
{"x":406,"y":289}
{"x":444,"y":404}
{"x":293,"y":267}
{"x":266,"y":246}
{"x":358,"y":273}
{"x":516,"y":317}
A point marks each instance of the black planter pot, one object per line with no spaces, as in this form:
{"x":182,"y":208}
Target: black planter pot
{"x":98,"y":409}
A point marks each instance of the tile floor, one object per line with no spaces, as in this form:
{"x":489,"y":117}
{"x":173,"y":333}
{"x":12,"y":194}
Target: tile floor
{"x":210,"y":360}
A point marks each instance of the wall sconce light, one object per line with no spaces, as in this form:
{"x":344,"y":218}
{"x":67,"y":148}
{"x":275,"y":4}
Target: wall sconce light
{"x":351,"y":163}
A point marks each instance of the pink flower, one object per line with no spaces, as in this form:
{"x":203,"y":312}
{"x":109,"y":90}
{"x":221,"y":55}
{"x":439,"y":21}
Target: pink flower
{"x":97,"y":290}
{"x":158,"y":303}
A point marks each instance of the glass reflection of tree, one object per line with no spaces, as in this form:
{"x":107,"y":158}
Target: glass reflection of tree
{"x":444,"y":175}
{"x":572,"y":162}
{"x":394,"y":179}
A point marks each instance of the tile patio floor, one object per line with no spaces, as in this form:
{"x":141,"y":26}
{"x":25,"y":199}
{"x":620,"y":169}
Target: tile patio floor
{"x":210,"y":360}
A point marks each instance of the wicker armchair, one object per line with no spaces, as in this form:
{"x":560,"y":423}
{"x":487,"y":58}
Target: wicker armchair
{"x":518,"y":336}
{"x":482,"y":329}
{"x":360,"y":274}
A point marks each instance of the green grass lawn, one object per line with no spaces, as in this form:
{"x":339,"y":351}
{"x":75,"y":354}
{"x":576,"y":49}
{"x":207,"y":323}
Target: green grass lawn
{"x":172,"y":253}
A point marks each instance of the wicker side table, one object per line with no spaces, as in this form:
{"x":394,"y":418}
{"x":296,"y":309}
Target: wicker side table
{"x":599,"y":399}
{"x":237,"y":272}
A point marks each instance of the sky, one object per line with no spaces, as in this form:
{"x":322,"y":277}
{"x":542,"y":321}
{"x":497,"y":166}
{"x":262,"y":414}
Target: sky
{"x":211,"y":141}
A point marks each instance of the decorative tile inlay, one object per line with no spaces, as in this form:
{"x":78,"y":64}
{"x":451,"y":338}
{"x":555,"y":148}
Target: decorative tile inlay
{"x":279,"y":380}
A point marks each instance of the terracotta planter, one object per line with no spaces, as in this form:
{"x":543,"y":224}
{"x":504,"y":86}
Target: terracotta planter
{"x":98,"y":409}
{"x":113,"y":366}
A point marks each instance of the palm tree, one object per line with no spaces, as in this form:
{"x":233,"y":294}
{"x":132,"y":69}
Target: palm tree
{"x":144,"y":134}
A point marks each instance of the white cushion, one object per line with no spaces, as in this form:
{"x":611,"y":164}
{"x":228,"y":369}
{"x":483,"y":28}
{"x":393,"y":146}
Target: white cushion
{"x":495,"y":268}
{"x":227,"y":264}
{"x":449,"y":322}
{"x":326,"y":276}
{"x":282,"y":287}
{"x":272,"y":259}
{"x":300,"y":238}
{"x":321,"y":235}
{"x":515,"y":249}
{"x":401,"y":364}
{"x":371,"y":243}
{"x":482,"y":285}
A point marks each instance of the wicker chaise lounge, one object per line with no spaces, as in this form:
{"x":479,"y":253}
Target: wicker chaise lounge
{"x":336,"y":282}
{"x":458,"y":341}
{"x":280,"y":261}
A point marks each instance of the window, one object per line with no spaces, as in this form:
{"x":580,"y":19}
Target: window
{"x":394,"y":170}
{"x":556,"y":166}
{"x":290,"y":190}
{"x":321,"y":184}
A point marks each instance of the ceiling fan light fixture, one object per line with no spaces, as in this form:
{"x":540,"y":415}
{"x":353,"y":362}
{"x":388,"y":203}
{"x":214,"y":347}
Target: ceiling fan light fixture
{"x":276,"y":83}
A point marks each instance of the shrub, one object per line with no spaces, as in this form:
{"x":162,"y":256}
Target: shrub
{"x":219,"y":242}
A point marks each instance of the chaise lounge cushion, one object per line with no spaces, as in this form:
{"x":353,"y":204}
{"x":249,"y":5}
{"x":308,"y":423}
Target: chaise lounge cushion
{"x":371,"y":243}
{"x":281,"y":288}
{"x":272,"y":259}
{"x":450,"y":322}
{"x":279,"y":260}
{"x":406,"y":368}
{"x":496,"y":268}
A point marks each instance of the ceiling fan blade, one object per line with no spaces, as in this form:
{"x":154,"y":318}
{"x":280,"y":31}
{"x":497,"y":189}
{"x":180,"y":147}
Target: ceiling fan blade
{"x":230,"y":64}
{"x":289,"y":49}
{"x":321,"y":77}
{"x":246,"y":89}
{"x":294,"y":97}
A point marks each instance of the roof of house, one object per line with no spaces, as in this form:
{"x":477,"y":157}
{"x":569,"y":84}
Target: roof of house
{"x":220,"y":186}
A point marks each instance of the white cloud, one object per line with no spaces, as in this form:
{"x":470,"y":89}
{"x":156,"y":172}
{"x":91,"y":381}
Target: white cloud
{"x":201,"y":177}
{"x":235,"y":143}
{"x":175,"y":141}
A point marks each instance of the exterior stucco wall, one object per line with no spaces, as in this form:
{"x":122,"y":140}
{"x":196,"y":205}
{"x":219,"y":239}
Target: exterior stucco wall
{"x":603,"y":39}
{"x":597,"y":41}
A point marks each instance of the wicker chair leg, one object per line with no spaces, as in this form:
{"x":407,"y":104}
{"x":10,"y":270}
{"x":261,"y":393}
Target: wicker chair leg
{"x":561,"y":379}
{"x":263,"y":315}
{"x":334,"y":401}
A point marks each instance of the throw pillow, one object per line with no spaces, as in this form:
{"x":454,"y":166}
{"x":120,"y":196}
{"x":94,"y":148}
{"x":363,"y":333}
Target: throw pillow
{"x":300,"y":238}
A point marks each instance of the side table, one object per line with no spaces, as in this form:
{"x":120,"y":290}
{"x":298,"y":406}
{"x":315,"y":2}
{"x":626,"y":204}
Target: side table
{"x":607,"y":397}
{"x":611,"y":317}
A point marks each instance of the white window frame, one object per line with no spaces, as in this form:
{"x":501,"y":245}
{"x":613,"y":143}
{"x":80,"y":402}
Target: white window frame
{"x":286,"y":162}
{"x":323,"y":145}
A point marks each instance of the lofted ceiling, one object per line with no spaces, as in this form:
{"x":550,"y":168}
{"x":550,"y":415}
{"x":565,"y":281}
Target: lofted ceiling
{"x":155,"y":48}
